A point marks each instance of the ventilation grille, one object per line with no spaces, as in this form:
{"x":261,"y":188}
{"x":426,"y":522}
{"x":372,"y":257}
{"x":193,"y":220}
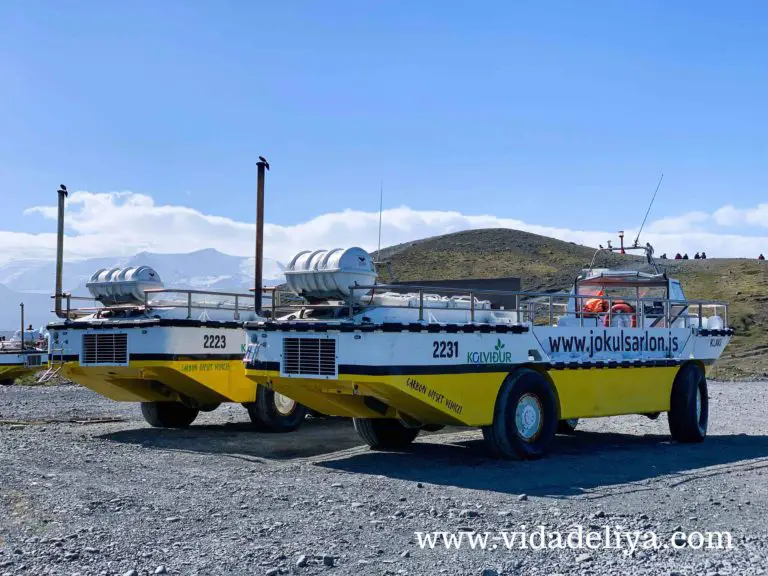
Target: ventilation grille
{"x":34,"y":360}
{"x":106,"y":348}
{"x":309,"y":356}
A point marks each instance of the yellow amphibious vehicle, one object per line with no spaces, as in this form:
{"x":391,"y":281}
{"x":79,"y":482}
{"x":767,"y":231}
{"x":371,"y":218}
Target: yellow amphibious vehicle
{"x":23,"y":354}
{"x":621,"y":342}
{"x":177,"y":352}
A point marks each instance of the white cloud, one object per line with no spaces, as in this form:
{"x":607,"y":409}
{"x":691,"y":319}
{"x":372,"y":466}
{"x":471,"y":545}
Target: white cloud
{"x":731,"y":216}
{"x":689,"y":222}
{"x":123,"y":223}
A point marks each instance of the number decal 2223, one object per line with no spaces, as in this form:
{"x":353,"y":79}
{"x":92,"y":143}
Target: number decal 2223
{"x":214,"y":341}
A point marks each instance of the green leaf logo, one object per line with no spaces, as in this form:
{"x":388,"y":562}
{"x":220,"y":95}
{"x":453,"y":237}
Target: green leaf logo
{"x":499,"y":345}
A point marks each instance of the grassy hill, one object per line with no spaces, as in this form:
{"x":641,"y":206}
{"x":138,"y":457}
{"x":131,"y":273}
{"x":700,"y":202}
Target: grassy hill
{"x":546,"y":264}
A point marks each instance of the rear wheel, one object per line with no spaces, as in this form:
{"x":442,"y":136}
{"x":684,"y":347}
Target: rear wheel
{"x":168,"y":414}
{"x":525,"y":417}
{"x":689,"y":405}
{"x":273,"y":412}
{"x":7,"y":382}
{"x":385,"y":433}
{"x":567,"y":426}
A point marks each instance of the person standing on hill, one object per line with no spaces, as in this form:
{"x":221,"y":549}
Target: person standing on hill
{"x":761,"y":257}
{"x":696,"y":256}
{"x":703,"y":255}
{"x":678,"y":256}
{"x":685,"y":256}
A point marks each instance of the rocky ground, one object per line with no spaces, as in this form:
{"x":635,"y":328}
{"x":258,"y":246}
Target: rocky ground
{"x":87,"y":488}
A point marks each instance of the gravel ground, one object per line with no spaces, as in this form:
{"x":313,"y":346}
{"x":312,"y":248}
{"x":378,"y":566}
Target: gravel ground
{"x":121,"y":498}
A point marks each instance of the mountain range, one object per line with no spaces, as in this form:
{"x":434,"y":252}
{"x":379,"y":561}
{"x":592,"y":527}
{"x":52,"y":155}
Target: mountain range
{"x":32,"y":281}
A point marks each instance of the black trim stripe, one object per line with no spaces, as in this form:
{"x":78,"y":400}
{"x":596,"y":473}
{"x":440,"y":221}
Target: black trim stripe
{"x":168,"y":357}
{"x":431,"y":328}
{"x":186,"y":357}
{"x":408,"y":370}
{"x":144,"y":323}
{"x":705,"y":332}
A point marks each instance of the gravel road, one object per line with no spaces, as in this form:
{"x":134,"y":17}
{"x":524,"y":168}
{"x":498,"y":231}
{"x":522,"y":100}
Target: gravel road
{"x":117,"y":497}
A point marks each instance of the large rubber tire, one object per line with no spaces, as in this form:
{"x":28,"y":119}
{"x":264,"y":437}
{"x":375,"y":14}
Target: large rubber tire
{"x":567,"y":426}
{"x":689,"y":405}
{"x":7,"y":382}
{"x":273,"y":412}
{"x":168,"y":414}
{"x":385,"y":433}
{"x":524,"y":417}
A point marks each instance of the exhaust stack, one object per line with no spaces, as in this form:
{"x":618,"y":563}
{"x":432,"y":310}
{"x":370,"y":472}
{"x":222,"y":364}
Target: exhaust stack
{"x":62,"y":192}
{"x":263,"y":166}
{"x":22,"y":325}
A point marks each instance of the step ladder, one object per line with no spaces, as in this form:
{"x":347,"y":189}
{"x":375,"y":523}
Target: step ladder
{"x":54,"y":366}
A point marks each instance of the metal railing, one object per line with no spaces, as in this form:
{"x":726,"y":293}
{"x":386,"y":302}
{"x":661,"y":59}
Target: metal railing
{"x":663,"y":312}
{"x":238,"y":303}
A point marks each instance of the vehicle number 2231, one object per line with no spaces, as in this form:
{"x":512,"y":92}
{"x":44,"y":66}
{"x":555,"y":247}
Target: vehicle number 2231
{"x":445,"y":349}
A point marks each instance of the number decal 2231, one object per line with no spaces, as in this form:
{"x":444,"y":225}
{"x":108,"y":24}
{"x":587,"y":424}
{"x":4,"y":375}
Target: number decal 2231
{"x":214,"y":341}
{"x":444,"y":349}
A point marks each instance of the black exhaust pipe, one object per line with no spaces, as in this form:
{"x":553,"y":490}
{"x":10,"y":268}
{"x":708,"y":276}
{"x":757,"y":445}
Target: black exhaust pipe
{"x":263,"y":166}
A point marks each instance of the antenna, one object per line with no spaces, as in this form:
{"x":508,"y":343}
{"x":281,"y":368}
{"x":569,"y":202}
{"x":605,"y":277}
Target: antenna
{"x":649,"y":209}
{"x":381,"y":205}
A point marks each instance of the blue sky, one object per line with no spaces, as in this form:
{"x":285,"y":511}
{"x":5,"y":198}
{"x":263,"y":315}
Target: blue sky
{"x":559,"y":114}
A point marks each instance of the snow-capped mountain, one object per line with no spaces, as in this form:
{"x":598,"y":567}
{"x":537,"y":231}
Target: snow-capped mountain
{"x":32,"y":281}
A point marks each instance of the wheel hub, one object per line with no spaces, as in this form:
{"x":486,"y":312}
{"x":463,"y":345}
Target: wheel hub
{"x":528,"y":417}
{"x":284,"y":405}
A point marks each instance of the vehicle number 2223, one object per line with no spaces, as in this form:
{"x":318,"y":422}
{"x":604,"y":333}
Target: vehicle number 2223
{"x":214,"y":341}
{"x":445,"y":349}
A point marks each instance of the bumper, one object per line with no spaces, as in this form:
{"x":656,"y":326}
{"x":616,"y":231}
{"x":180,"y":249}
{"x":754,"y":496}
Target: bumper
{"x":205,"y":381}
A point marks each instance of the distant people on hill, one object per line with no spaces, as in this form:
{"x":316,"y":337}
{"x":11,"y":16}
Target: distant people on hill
{"x":678,"y":256}
{"x":663,"y":256}
{"x":703,"y":255}
{"x":685,"y":256}
{"x":696,"y":256}
{"x":761,"y":257}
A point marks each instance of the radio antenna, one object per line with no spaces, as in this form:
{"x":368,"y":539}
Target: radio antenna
{"x":649,"y":209}
{"x":381,"y":206}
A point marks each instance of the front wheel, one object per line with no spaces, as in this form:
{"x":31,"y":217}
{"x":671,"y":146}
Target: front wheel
{"x":273,"y":412}
{"x":384,"y":433}
{"x":689,"y":405}
{"x":524,"y":418}
{"x":168,"y":414}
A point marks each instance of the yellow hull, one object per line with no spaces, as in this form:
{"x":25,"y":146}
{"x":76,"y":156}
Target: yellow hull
{"x":469,"y":399}
{"x":206,"y":381}
{"x":14,"y":371}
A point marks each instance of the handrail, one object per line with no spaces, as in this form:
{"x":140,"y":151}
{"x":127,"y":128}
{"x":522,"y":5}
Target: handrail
{"x":238,"y":305}
{"x":193,"y":291}
{"x":433,"y":289}
{"x":530,"y":302}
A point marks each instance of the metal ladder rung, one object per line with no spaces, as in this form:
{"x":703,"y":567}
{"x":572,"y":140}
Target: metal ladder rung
{"x":53,"y":367}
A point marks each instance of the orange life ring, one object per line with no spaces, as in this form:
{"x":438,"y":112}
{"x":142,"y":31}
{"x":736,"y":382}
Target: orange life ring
{"x":621,"y":308}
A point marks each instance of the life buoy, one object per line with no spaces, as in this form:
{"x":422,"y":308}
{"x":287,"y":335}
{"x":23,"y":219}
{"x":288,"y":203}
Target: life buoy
{"x":621,"y":308}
